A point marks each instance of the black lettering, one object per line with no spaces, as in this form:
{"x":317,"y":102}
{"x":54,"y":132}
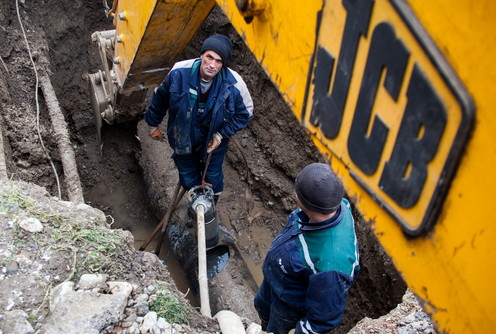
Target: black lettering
{"x":327,"y":110}
{"x":386,"y":53}
{"x":421,"y":129}
{"x":322,"y":101}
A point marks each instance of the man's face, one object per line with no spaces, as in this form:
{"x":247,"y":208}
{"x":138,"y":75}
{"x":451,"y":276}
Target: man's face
{"x":210,"y":65}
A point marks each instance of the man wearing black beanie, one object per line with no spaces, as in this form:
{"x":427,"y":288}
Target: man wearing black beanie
{"x":207,"y":103}
{"x":312,"y":263}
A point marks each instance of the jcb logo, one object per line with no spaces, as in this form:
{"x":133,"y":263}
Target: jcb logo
{"x":384,"y":101}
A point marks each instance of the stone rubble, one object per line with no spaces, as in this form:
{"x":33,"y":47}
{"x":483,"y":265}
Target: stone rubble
{"x":95,"y":305}
{"x":407,"y":318}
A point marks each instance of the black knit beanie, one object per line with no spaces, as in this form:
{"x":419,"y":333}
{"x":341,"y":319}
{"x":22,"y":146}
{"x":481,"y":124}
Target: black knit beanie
{"x":221,"y":45}
{"x":318,"y":189}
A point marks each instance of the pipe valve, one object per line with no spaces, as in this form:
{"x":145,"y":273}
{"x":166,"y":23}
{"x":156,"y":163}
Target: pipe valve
{"x":204,"y":196}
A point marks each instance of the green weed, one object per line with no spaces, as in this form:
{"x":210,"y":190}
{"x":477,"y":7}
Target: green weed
{"x":168,"y":307}
{"x":13,"y":201}
{"x":88,"y":243}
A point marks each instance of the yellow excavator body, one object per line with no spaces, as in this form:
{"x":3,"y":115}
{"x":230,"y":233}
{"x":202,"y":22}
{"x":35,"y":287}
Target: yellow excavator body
{"x":398,"y":95}
{"x":149,"y":37}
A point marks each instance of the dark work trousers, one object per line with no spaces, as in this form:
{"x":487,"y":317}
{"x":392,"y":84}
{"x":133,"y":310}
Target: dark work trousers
{"x":276,"y":316}
{"x":191,"y":167}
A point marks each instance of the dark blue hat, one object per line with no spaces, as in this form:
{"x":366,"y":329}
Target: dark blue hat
{"x":318,"y":188}
{"x":221,"y":45}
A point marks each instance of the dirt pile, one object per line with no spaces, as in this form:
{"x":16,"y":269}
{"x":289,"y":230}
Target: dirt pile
{"x":45,"y":242}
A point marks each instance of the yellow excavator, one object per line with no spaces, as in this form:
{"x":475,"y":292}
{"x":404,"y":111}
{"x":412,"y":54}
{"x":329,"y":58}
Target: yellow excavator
{"x":398,"y":94}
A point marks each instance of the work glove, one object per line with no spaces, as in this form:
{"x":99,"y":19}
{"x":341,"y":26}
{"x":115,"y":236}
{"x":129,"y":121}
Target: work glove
{"x":156,"y":134}
{"x":291,"y":331}
{"x":215,"y":142}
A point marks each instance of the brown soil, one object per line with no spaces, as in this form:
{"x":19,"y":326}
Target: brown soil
{"x":117,"y":178}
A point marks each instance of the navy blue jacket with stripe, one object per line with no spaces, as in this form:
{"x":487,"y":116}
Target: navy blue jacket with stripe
{"x":311,"y":268}
{"x":229,"y":102}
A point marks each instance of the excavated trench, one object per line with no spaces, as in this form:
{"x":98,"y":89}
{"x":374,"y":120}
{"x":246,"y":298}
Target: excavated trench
{"x":135,"y":187}
{"x":131,"y":178}
{"x":124,"y":191}
{"x":114,"y":184}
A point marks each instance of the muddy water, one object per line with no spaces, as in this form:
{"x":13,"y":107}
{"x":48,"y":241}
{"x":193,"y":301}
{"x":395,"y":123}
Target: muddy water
{"x":114,"y":184}
{"x":255,"y":265}
{"x":141,"y":226}
{"x":254,"y":233}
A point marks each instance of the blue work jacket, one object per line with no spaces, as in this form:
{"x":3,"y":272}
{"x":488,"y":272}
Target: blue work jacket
{"x":309,"y":268}
{"x":229,"y":103}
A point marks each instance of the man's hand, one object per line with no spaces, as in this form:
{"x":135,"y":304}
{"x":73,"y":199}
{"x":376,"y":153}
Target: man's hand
{"x":205,"y":184}
{"x":156,"y":134}
{"x":214,"y":143}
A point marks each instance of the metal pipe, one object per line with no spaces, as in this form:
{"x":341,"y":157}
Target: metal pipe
{"x":202,"y":263}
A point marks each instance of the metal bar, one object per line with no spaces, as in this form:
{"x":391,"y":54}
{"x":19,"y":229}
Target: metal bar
{"x":165,"y":220}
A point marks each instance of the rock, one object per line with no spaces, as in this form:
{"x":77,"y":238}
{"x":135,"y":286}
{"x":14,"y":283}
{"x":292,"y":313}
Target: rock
{"x":23,"y":164}
{"x":151,"y":258}
{"x":142,"y":299}
{"x":406,"y":330}
{"x":407,"y":318}
{"x":128,"y":237}
{"x":132,"y":317}
{"x":59,"y":293}
{"x":91,"y":212}
{"x":129,"y":321}
{"x":134,"y":329}
{"x":84,"y":311}
{"x":410,"y":318}
{"x":15,"y":322}
{"x":10,"y":268}
{"x":149,"y":321}
{"x":142,"y":310}
{"x":126,"y":324}
{"x":122,"y":288}
{"x":91,"y":281}
{"x":162,"y":324}
{"x":31,"y":225}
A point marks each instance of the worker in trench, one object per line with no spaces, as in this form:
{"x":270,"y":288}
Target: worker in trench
{"x":312,"y":263}
{"x":207,"y":104}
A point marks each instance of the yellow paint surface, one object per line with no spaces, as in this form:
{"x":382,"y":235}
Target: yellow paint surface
{"x":452,"y":268}
{"x":282,"y":38}
{"x":137,"y":14}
